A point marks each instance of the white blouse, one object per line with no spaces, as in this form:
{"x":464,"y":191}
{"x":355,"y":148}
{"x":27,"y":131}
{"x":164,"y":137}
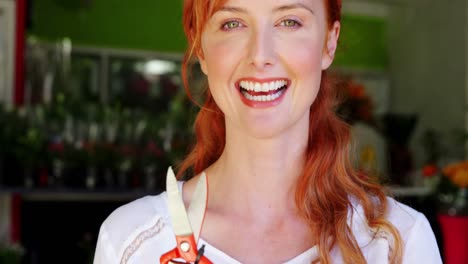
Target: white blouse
{"x":141,"y":231}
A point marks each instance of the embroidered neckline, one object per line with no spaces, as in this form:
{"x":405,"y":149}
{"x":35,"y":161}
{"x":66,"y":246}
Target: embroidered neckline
{"x":140,"y":238}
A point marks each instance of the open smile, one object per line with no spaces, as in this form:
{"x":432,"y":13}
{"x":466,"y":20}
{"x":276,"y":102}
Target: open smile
{"x":263,"y":91}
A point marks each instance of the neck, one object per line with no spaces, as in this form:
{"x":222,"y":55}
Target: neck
{"x":256,"y":177}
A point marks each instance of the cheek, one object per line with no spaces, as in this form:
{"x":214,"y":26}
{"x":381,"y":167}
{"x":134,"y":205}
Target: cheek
{"x":303,"y":56}
{"x":222,"y":56}
{"x":218,"y":66}
{"x":303,"y":60}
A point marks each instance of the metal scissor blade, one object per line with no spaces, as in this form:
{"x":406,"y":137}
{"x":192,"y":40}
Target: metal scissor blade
{"x":180,"y":220}
{"x":196,"y":210}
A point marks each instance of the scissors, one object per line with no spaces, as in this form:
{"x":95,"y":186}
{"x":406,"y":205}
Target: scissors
{"x":186,"y":223}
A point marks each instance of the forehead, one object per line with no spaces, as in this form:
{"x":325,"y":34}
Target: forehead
{"x":317,"y":5}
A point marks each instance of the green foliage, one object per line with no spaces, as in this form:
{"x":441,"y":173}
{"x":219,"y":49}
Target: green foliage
{"x":11,"y":254}
{"x":96,"y":135}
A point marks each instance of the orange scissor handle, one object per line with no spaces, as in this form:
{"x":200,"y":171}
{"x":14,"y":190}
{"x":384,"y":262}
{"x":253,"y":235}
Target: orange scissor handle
{"x":186,"y":249}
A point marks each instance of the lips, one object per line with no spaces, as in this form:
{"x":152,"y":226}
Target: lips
{"x":262,"y":91}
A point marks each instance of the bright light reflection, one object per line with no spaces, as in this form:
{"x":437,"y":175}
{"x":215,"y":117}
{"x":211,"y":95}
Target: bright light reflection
{"x":159,"y":67}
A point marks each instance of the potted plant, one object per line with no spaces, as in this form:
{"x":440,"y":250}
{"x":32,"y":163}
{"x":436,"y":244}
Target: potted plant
{"x":11,"y":253}
{"x":29,"y":147}
{"x":449,"y":186}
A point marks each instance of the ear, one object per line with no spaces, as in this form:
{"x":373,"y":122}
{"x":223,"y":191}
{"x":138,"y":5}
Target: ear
{"x":330,"y":45}
{"x":202,"y":61}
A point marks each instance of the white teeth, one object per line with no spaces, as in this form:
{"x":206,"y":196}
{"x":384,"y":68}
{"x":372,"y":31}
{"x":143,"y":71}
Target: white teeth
{"x":262,"y":87}
{"x":263,"y":98}
{"x":272,"y":86}
{"x":258,"y":87}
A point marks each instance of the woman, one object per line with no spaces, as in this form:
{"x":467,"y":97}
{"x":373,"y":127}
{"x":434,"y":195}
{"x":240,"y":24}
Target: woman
{"x":281,"y":187}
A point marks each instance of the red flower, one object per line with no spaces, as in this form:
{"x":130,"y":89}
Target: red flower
{"x":357,"y":91}
{"x":56,"y":147}
{"x":430,"y":170}
{"x":153,"y":149}
{"x":88,"y":146}
{"x":357,"y":105}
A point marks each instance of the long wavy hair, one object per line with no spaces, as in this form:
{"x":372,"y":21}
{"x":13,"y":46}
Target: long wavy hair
{"x":328,"y":180}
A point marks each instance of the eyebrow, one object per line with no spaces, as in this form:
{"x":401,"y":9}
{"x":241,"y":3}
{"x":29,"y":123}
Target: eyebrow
{"x":277,"y":9}
{"x":233,"y":9}
{"x":293,"y":6}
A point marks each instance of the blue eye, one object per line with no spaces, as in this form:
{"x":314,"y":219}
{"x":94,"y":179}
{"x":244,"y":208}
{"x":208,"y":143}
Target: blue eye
{"x":290,"y":23}
{"x":231,"y":25}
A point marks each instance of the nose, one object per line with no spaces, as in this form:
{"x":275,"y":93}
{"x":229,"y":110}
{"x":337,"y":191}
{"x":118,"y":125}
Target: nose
{"x":261,"y":50}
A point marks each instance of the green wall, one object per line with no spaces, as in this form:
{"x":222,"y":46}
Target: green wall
{"x":136,"y":24}
{"x":156,"y":25}
{"x":363,"y":43}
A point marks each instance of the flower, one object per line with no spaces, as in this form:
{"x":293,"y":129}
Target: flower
{"x":457,"y":173}
{"x":357,"y":105}
{"x":449,"y":184}
{"x":430,"y":170}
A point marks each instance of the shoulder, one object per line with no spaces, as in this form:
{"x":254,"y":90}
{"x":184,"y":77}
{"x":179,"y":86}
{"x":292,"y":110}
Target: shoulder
{"x":419,"y":242}
{"x":136,"y":214}
{"x":137,"y":211}
{"x":403,"y":217}
{"x":129,"y":226}
{"x":417,"y":238}
{"x":409,"y":222}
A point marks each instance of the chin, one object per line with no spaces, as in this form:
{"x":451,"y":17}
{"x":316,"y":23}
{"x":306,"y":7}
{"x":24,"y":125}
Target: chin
{"x":269,"y":130}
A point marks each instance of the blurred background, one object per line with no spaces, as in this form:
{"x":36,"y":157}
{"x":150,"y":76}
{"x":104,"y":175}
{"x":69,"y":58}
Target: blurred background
{"x":92,"y":112}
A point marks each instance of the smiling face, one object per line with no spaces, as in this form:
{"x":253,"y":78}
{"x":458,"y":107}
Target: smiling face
{"x":264,"y":60}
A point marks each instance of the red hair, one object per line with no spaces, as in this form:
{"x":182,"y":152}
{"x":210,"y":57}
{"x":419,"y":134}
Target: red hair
{"x":327,"y":182}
